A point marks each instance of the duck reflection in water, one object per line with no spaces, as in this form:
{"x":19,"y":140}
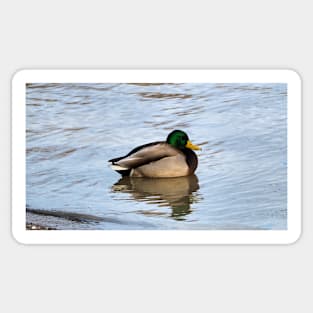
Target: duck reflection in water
{"x":177,"y":193}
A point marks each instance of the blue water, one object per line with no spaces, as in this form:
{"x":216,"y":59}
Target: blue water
{"x":241,"y":181}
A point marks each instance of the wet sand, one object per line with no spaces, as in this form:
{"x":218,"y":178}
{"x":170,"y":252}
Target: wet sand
{"x":57,"y":220}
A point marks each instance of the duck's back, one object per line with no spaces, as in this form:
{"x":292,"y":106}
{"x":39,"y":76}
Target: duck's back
{"x":145,"y":154}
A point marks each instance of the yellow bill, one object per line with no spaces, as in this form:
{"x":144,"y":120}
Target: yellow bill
{"x":191,"y":146}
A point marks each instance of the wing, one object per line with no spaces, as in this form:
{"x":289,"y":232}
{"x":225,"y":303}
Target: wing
{"x":145,"y":154}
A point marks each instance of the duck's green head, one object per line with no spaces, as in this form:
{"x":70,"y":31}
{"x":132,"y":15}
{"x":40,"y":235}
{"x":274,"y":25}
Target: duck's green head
{"x":180,"y":140}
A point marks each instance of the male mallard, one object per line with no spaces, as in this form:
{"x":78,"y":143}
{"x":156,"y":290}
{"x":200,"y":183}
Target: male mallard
{"x":170,"y":158}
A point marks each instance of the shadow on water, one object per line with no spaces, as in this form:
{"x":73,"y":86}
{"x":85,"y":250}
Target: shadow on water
{"x":175,"y":193}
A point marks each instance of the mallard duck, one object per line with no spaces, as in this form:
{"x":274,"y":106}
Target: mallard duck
{"x":171,"y":158}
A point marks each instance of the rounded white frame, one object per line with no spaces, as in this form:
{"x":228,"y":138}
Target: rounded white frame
{"x":24,"y":236}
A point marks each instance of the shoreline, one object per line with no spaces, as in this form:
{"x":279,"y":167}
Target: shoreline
{"x":32,"y":226}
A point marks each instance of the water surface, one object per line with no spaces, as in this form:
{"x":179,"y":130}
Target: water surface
{"x":73,"y":129}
